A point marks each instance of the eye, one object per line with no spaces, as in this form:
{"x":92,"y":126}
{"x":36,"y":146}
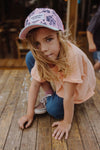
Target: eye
{"x":49,"y":39}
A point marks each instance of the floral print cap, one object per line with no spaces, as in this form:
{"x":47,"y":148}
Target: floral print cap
{"x":41,"y":17}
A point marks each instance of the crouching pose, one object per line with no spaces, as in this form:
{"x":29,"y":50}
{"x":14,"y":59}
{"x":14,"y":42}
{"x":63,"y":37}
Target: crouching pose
{"x":55,"y":59}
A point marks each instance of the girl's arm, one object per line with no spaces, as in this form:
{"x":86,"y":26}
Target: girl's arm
{"x":65,"y":125}
{"x":25,"y":121}
{"x":33,"y":93}
{"x":69,"y":89}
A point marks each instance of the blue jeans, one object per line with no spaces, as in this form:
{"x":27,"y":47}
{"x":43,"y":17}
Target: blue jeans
{"x":95,"y":56}
{"x":30,"y":61}
{"x":54,"y":106}
{"x":54,"y":103}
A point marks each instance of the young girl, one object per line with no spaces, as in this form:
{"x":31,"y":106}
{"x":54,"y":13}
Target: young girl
{"x":59,"y":61}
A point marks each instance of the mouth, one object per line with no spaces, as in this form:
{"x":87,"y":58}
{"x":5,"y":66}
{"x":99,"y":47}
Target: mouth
{"x":49,"y":56}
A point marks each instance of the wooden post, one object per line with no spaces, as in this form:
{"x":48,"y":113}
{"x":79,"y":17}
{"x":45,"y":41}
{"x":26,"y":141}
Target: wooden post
{"x":72,"y":8}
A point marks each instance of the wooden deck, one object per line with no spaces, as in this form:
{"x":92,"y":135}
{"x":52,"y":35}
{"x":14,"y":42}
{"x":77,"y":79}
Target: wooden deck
{"x":12,"y":63}
{"x":85,"y":132}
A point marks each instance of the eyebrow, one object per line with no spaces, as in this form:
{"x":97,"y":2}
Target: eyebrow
{"x":48,"y":36}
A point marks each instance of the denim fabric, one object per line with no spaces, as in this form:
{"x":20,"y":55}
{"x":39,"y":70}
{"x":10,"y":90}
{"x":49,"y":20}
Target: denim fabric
{"x":30,"y":61}
{"x":54,"y":103}
{"x":54,"y":106}
{"x":96,"y":55}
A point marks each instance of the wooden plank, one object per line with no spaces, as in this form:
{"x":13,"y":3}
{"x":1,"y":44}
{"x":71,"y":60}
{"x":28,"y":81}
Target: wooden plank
{"x":4,"y":74}
{"x":29,"y":135}
{"x":43,"y":133}
{"x":97,"y":73}
{"x":12,"y":63}
{"x":15,"y":134}
{"x":7,"y":114}
{"x":96,"y":96}
{"x":96,"y":99}
{"x":1,"y":73}
{"x":94,"y":118}
{"x":3,"y":62}
{"x":86,"y":131}
{"x":6,"y":85}
{"x":74,"y":141}
{"x":98,"y":84}
{"x":20,"y":63}
{"x":83,"y":135}
{"x":3,"y":84}
{"x":24,"y":63}
{"x":56,"y":144}
{"x":27,"y":138}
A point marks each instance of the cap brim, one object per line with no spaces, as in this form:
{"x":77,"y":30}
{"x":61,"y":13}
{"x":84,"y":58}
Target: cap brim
{"x":25,"y":30}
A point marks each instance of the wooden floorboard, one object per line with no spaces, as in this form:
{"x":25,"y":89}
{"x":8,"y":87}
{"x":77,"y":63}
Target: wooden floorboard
{"x":85,"y":131}
{"x":12,"y":63}
{"x":19,"y":100}
{"x":74,"y":141}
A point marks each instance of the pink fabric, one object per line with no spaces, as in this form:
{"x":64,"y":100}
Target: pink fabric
{"x":82,"y":74}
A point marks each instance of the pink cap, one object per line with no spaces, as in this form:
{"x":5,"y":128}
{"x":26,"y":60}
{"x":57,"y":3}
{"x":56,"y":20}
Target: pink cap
{"x":41,"y":17}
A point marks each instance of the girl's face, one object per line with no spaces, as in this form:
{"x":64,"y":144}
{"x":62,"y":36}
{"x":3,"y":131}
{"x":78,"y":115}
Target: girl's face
{"x":46,"y":40}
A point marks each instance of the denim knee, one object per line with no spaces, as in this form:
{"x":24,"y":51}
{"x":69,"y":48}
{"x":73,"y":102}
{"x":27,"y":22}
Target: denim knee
{"x":29,"y":61}
{"x":54,"y":106}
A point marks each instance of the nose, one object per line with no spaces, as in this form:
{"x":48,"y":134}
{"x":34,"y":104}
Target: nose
{"x":44,"y":48}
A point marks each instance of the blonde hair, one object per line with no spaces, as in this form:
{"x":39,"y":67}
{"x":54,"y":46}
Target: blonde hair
{"x":43,"y":63}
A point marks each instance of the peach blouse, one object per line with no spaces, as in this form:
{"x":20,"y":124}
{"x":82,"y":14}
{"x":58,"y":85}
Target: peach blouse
{"x":82,"y":74}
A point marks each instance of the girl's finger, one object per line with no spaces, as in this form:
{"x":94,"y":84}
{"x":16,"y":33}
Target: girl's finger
{"x":28,"y":124}
{"x":61,"y":135}
{"x":55,"y":124}
{"x":66,"y":136}
{"x":58,"y":134}
{"x":21,"y":126}
{"x":55,"y":131}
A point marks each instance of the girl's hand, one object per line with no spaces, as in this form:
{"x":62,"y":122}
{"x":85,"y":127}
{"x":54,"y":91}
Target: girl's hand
{"x":62,"y":128}
{"x":25,"y":121}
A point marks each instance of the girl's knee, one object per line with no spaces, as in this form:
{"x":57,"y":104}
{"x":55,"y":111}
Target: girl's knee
{"x":29,"y":57}
{"x":55,"y":107}
{"x":51,"y":110}
{"x":29,"y":60}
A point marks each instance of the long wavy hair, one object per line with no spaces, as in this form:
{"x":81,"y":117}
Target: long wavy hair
{"x":43,"y":64}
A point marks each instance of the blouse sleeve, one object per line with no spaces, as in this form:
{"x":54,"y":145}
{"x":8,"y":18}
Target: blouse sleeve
{"x":35,"y":74}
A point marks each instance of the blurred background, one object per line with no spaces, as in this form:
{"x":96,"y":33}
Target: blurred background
{"x":14,"y":12}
